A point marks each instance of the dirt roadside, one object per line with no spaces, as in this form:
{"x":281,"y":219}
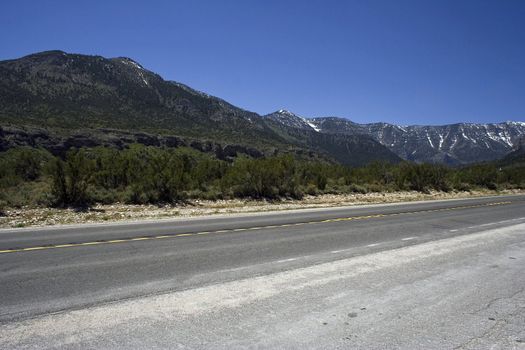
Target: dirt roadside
{"x":27,"y":217}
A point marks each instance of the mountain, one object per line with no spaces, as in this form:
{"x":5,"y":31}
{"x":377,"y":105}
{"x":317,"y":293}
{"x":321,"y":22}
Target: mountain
{"x":59,"y":100}
{"x":450,"y":144}
{"x":347,"y":149}
{"x":516,"y":157}
{"x":55,"y":89}
{"x":291,"y":120}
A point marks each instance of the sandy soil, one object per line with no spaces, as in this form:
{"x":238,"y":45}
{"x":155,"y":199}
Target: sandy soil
{"x":24,"y":217}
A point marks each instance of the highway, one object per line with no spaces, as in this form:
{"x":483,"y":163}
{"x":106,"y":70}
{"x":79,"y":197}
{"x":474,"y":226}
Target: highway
{"x":64,"y":274}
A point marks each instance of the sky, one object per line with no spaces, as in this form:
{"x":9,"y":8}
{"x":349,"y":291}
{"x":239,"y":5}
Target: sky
{"x":402,"y":61}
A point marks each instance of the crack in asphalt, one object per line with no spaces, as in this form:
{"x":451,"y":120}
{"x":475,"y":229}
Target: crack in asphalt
{"x":496,"y":323}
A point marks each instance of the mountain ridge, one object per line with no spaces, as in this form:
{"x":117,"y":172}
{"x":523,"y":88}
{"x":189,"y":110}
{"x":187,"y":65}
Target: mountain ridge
{"x":64,"y":92}
{"x":453,"y":144}
{"x":61,"y":92}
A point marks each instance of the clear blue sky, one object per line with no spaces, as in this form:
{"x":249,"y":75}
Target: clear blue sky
{"x":401,"y":61}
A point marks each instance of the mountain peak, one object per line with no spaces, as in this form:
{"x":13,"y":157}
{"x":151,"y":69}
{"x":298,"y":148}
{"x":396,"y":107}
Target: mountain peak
{"x":286,"y":112}
{"x":458,"y":143}
{"x":130,"y":62}
{"x":291,"y":119}
{"x":508,"y":122}
{"x":44,"y":56}
{"x":48,"y":53}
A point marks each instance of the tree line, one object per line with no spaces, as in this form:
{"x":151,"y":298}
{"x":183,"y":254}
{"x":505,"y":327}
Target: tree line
{"x":143,"y":174}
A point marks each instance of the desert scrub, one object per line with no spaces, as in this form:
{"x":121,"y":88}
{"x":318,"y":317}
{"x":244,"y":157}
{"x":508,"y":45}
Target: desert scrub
{"x":156,"y":175}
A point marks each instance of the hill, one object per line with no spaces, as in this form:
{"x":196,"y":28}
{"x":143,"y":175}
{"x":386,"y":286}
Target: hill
{"x":59,"y":100}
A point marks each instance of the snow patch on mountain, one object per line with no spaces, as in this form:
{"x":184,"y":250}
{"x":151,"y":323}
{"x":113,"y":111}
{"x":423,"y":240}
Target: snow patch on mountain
{"x":140,"y":70}
{"x":293,"y":120}
{"x":455,"y":143}
{"x":312,"y":126}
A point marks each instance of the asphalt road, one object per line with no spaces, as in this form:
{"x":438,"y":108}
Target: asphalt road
{"x":56,"y":271}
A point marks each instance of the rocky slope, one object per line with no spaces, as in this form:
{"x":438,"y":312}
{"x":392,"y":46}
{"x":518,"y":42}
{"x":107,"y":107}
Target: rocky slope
{"x":350,"y":149}
{"x":59,"y":100}
{"x":55,"y":89}
{"x":450,"y":144}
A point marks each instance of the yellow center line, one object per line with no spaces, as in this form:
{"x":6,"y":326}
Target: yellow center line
{"x":145,"y":238}
{"x":35,"y":248}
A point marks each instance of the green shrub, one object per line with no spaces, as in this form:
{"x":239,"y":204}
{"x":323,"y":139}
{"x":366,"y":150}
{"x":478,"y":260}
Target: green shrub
{"x":358,"y":189}
{"x":311,"y":189}
{"x":143,"y":174}
{"x":3,"y":207}
{"x":70,"y":179}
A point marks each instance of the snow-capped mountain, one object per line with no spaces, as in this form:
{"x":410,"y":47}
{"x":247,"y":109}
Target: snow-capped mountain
{"x":78,"y":98}
{"x":57,"y":100}
{"x":452,"y":144}
{"x":292,"y":120}
{"x":348,"y":149}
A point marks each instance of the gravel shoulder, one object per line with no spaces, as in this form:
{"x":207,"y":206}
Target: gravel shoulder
{"x":35,"y":217}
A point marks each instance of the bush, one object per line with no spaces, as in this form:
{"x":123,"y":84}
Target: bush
{"x":103,"y":195}
{"x":263,"y":178}
{"x":358,"y":189}
{"x":3,"y":207}
{"x":375,"y":188}
{"x":23,"y":164}
{"x":59,"y":190}
{"x":142,"y":174}
{"x":311,"y":189}
{"x":70,"y":179}
{"x":465,"y":187}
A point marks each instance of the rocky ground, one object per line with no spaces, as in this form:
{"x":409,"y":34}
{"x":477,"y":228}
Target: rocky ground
{"x":26,"y":216}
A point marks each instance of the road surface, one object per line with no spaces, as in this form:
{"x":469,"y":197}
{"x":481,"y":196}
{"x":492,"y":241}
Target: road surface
{"x":445,"y":274}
